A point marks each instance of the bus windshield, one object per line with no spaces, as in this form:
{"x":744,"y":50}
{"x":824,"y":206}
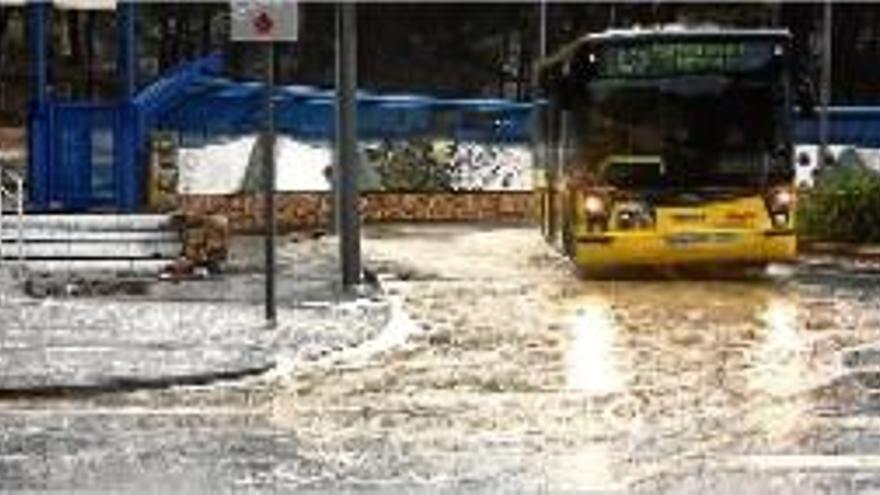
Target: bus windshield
{"x":705,"y":129}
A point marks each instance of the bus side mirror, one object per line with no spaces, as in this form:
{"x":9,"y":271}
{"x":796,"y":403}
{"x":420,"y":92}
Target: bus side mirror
{"x":559,"y":84}
{"x":560,"y":89}
{"x":567,"y":92}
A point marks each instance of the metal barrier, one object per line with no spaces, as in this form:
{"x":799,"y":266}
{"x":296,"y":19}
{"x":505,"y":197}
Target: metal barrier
{"x":17,"y":196}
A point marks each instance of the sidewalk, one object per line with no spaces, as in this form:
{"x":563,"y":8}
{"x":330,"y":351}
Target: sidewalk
{"x":869,"y":252}
{"x":859,"y":364}
{"x":184,"y":333}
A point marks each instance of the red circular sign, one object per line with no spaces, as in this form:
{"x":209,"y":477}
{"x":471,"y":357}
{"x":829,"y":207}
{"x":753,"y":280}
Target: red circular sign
{"x":263,"y":23}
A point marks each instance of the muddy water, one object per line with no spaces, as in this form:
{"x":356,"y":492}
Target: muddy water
{"x":506,"y":373}
{"x":525,"y":377}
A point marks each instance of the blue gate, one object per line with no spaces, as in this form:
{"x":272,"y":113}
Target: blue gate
{"x":82,"y":175}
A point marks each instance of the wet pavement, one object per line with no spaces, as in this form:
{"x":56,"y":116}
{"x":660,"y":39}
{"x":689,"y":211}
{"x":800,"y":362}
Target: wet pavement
{"x":180,"y":332}
{"x":504,"y":372}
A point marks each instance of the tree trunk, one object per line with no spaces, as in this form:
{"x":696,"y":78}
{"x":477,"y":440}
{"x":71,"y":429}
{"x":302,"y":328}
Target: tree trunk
{"x":184,"y":31}
{"x":74,"y":42}
{"x":173,"y":20}
{"x":523,"y":70}
{"x":4,"y":22}
{"x":164,"y":38}
{"x":207,"y":15}
{"x":502,"y":68}
{"x":89,"y":42}
{"x":74,"y":38}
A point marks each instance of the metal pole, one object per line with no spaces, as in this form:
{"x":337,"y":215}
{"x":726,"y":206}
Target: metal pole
{"x":39,"y":20}
{"x":90,"y":54}
{"x":39,"y":24}
{"x":19,"y":205}
{"x":775,"y":14}
{"x":825,"y":89}
{"x":269,"y":186}
{"x":348,"y":220}
{"x":127,"y":51}
{"x":549,"y":138}
{"x":2,"y":193}
{"x":542,"y":48}
{"x":127,"y":148}
{"x":543,"y":135}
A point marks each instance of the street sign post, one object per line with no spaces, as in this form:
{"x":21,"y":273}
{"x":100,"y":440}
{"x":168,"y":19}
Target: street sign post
{"x":346,"y":188}
{"x":825,"y":87}
{"x":267,"y":21}
{"x":269,"y":186}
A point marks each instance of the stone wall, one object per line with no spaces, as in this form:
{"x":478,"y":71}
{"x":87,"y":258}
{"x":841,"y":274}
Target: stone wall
{"x":12,"y":146}
{"x":309,"y":210}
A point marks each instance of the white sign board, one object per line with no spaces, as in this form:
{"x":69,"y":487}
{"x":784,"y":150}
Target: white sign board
{"x":265,"y":20}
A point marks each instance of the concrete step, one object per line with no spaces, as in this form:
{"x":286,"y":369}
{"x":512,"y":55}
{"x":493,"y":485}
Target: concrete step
{"x":90,"y":244}
{"x":90,"y":222}
{"x":115,"y":267}
{"x":10,"y":235}
{"x":92,"y":249}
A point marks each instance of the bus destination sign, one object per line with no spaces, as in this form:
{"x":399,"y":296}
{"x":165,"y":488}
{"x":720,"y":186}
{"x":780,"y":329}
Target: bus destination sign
{"x":669,"y":58}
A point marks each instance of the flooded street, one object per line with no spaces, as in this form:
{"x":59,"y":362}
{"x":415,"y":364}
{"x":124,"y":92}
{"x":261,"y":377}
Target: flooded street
{"x":505,"y":372}
{"x":525,"y":377}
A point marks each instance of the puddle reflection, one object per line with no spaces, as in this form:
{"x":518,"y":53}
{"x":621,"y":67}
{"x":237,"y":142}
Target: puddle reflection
{"x":780,"y":361}
{"x":782,"y":368}
{"x":592,"y":363}
{"x":588,"y":470}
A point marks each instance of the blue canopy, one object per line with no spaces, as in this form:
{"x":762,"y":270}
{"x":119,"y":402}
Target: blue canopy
{"x":214,"y":105}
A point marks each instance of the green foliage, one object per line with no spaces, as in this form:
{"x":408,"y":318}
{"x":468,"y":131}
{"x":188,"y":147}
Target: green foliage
{"x":843,"y":207}
{"x":732,"y":14}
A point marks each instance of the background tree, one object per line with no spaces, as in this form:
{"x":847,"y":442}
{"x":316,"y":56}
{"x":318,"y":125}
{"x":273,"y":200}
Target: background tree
{"x":460,"y":50}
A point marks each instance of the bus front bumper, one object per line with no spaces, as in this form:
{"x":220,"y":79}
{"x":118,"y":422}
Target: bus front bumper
{"x":609,"y":250}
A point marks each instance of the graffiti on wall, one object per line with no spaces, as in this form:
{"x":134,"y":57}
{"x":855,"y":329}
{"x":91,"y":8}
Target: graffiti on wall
{"x":227,"y":166}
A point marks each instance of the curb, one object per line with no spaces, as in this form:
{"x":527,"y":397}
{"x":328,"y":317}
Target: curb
{"x":123,"y":385}
{"x":855,"y":251}
{"x":393,"y":335}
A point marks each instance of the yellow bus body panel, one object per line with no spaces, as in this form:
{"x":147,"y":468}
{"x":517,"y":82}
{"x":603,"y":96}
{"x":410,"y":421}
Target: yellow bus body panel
{"x":736,"y":232}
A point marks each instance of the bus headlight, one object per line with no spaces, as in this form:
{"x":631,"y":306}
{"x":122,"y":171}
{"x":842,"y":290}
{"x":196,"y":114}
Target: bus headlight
{"x":595,"y":206}
{"x":779,"y":204}
{"x":596,"y":213}
{"x":780,"y":220}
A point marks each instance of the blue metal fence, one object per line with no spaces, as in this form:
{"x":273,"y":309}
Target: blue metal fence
{"x":191,"y":100}
{"x":82,"y":174}
{"x":855,"y":126}
{"x":87,"y":155}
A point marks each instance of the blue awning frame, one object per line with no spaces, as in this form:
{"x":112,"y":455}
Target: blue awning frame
{"x":214,"y":105}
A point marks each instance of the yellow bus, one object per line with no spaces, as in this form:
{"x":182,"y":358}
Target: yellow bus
{"x":668,"y":146}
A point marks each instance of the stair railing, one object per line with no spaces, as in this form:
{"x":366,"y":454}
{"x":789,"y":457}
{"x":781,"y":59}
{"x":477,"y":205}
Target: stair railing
{"x":15,"y":195}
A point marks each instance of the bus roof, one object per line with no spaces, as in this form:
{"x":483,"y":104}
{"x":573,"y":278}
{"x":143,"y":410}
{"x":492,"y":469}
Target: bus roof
{"x":680,"y":30}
